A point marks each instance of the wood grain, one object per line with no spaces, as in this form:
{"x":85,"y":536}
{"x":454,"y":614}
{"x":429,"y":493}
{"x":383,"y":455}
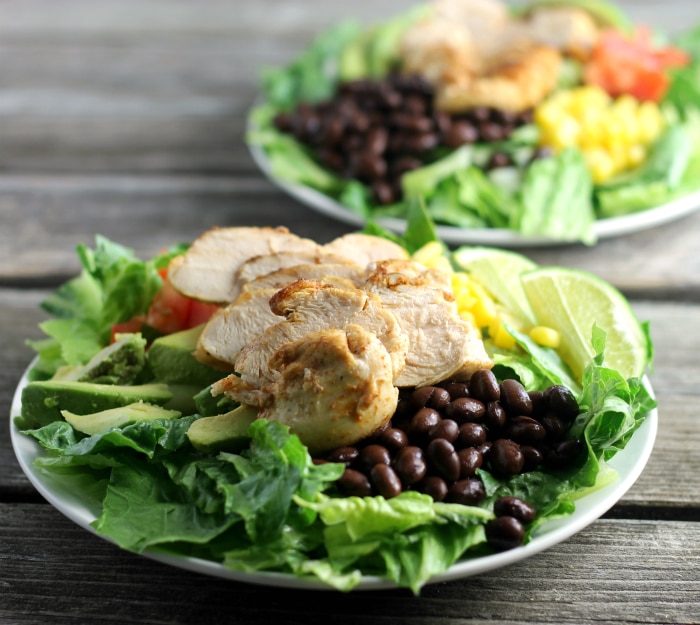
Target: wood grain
{"x":653,"y":557}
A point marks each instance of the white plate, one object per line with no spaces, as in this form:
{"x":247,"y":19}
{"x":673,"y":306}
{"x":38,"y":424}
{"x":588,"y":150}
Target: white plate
{"x":603,"y":228}
{"x":628,"y":463}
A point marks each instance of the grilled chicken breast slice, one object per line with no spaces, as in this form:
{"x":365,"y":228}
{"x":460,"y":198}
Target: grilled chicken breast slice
{"x":308,"y":306}
{"x":206,"y":271}
{"x":441,"y":344}
{"x":332,"y":387}
{"x":364,"y":249}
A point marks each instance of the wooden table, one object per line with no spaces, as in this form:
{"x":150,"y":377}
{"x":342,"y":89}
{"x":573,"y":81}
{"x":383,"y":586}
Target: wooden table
{"x":127,"y":119}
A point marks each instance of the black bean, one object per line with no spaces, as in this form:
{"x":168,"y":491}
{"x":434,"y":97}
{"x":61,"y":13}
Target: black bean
{"x":499,"y":159}
{"x":504,"y":532}
{"x":444,"y":459}
{"x":468,"y":492}
{"x":460,"y":133}
{"x":372,"y":455}
{"x":484,"y":386}
{"x":383,"y":192}
{"x":539,"y":404}
{"x":447,"y":429}
{"x":431,"y":397}
{"x":484,"y":449}
{"x":532,"y":457}
{"x":423,"y":421}
{"x":283,"y":122}
{"x":456,"y":389}
{"x":515,"y":507}
{"x":490,"y":132}
{"x":471,"y":435}
{"x":345,"y":455}
{"x":377,"y":140}
{"x":564,"y":453}
{"x":470,"y":459}
{"x":354,"y":484}
{"x":526,"y":430}
{"x":495,"y":417}
{"x":561,"y":401}
{"x":505,"y":457}
{"x":385,"y":481}
{"x":392,"y":438}
{"x":515,"y":399}
{"x":404,"y":164}
{"x":410,"y":464}
{"x":554,"y":426}
{"x":465,"y":409}
{"x":420,"y":142}
{"x":433,"y":486}
{"x":333,"y":130}
{"x":368,"y":166}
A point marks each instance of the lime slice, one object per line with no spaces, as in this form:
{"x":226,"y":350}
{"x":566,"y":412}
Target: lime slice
{"x":571,"y":302}
{"x":498,"y":271}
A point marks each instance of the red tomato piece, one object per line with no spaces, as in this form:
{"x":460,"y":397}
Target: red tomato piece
{"x":200,"y":312}
{"x":169,"y":310}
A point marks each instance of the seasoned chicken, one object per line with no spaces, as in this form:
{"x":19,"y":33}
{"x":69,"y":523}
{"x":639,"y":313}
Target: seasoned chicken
{"x":441,"y":345}
{"x":266,"y":264}
{"x":339,"y":274}
{"x":365,"y":248}
{"x":206,"y":271}
{"x":516,"y":80}
{"x":475,"y":54}
{"x":309,"y":306}
{"x":409,"y":269}
{"x":231,"y":328}
{"x":332,"y":387}
{"x":570,"y":30}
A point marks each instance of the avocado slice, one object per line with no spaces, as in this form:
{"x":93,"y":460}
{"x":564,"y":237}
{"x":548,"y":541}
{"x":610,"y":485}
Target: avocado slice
{"x":104,"y":420}
{"x":224,"y":432}
{"x":42,"y":401}
{"x":171,"y":360}
{"x":118,"y":363}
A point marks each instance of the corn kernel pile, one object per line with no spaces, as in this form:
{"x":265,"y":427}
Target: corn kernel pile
{"x":476,"y":305}
{"x":614,"y":135}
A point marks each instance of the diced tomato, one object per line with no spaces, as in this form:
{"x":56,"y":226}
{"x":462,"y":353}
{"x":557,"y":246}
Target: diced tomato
{"x":200,"y":312}
{"x":169,"y":310}
{"x":632,"y":65}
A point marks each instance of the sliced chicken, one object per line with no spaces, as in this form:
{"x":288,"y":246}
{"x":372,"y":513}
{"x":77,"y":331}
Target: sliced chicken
{"x":309,"y":306}
{"x":442,"y":345}
{"x":570,"y":30}
{"x":428,"y":276}
{"x":231,"y":328}
{"x":259,"y":266}
{"x":332,"y":387}
{"x":206,"y":271}
{"x":338,"y":274}
{"x":365,"y":248}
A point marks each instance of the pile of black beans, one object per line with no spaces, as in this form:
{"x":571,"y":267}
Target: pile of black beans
{"x":377,"y":130}
{"x":441,"y":435}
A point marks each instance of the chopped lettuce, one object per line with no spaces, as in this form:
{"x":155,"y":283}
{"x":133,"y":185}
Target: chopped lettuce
{"x":270,"y":507}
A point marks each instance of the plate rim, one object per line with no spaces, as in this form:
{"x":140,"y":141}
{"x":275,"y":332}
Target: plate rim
{"x":610,"y":227}
{"x":26,"y":449}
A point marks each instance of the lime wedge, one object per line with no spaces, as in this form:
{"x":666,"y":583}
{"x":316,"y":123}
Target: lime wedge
{"x":571,"y":302}
{"x":498,"y":271}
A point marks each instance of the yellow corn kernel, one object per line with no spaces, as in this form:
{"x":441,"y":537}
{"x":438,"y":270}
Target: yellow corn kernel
{"x":600,"y":164}
{"x":567,"y":133}
{"x":501,"y":337}
{"x":547,"y":337}
{"x":636,"y":155}
{"x":650,"y":121}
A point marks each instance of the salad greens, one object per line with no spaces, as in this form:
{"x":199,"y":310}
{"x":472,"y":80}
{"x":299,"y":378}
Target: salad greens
{"x":555,"y":197}
{"x":269,"y":507}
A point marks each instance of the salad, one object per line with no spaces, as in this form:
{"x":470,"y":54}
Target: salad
{"x":115,"y":393}
{"x":540,"y":120}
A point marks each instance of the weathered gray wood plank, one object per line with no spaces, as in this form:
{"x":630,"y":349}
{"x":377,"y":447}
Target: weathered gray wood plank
{"x":43,"y":218}
{"x":44,"y":559}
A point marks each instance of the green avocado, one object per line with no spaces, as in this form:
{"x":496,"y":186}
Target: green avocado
{"x":224,"y":432}
{"x":104,"y":420}
{"x":171,"y":360}
{"x":118,"y":363}
{"x":42,"y":401}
